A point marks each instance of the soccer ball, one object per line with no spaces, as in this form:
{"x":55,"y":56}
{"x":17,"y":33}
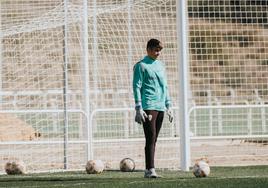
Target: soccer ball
{"x":201,"y":168}
{"x":94,"y":167}
{"x":127,"y":165}
{"x":15,"y":168}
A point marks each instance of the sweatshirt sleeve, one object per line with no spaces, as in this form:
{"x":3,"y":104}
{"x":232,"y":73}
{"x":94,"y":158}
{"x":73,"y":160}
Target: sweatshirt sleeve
{"x":137,"y":83}
{"x":167,"y":100}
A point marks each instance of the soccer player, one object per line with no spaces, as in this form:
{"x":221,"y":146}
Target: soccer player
{"x":151,"y":100}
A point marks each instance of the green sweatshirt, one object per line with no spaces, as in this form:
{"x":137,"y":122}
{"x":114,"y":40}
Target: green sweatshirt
{"x":150,"y":85}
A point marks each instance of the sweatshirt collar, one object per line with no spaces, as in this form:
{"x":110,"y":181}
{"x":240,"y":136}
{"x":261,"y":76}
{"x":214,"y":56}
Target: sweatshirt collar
{"x":149,"y":59}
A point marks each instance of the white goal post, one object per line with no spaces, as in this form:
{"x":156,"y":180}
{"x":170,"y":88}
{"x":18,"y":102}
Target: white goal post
{"x":66,"y":77}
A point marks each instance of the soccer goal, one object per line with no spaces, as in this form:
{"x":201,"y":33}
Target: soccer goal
{"x":66,"y":76}
{"x":66,"y":69}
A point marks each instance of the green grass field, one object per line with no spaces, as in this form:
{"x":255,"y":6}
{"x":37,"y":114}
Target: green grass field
{"x":220,"y":177}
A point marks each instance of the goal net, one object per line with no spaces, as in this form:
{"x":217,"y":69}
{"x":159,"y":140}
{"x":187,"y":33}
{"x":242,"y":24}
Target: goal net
{"x":228,"y":47}
{"x":43,"y":81}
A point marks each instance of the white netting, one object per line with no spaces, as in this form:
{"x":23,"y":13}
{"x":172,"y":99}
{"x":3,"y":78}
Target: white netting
{"x":228,"y":66}
{"x":36,"y":39}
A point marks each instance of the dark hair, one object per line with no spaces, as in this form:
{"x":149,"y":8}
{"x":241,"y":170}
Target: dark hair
{"x":154,"y":43}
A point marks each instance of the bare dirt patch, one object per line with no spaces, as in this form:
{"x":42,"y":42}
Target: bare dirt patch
{"x":14,"y":129}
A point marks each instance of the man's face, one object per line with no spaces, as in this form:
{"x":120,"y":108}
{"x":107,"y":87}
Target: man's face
{"x":154,"y":52}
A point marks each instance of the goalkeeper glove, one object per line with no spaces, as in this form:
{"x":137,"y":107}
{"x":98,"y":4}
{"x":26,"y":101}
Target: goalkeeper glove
{"x":140,"y":116}
{"x":170,"y":115}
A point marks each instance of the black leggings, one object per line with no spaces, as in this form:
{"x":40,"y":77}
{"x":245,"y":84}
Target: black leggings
{"x":151,"y":131}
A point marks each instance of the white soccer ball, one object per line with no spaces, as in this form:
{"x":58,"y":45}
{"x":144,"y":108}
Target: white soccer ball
{"x":127,"y":165}
{"x":94,"y":167}
{"x":201,"y":168}
{"x":15,"y":168}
